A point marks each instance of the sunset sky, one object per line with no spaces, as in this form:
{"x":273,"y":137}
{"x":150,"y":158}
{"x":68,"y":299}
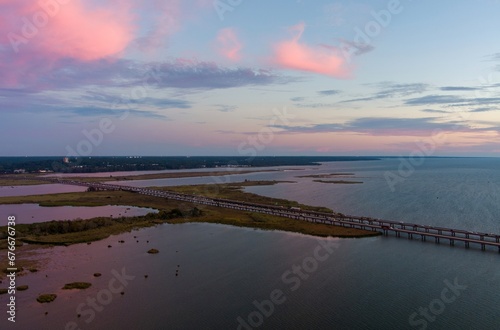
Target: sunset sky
{"x":249,"y":77}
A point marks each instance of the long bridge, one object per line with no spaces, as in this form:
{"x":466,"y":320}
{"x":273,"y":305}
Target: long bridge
{"x":411,"y":230}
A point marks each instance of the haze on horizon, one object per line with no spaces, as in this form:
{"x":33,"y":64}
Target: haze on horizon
{"x":204,"y":77}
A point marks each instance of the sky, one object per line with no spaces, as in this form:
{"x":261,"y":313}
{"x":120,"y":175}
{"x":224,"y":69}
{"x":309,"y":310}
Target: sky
{"x":249,"y":78}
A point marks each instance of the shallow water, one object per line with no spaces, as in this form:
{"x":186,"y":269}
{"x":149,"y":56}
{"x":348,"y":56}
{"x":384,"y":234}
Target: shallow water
{"x":42,"y":189}
{"x":34,"y":213}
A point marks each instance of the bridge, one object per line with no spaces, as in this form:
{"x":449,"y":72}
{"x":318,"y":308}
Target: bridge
{"x":410,"y":230}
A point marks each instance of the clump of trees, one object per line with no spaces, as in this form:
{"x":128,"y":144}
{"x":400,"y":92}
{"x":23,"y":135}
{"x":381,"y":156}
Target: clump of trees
{"x":177,"y":213}
{"x":67,"y":226}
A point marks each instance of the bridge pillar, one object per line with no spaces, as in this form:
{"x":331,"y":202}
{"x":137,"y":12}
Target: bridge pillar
{"x":452,"y":242}
{"x":437,"y":239}
{"x":423,"y":237}
{"x":483,"y":246}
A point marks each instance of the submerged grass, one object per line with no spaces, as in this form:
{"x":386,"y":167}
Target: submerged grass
{"x":77,"y":285}
{"x":46,"y":298}
{"x":338,"y":181}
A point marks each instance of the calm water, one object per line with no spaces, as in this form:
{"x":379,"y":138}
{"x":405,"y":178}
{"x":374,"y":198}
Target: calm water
{"x":373,"y":283}
{"x":33,"y":213}
{"x":41,"y":189}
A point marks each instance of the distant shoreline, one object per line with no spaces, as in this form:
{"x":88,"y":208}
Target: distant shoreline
{"x":44,"y":165}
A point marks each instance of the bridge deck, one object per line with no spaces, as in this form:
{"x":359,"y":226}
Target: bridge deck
{"x":384,"y":226}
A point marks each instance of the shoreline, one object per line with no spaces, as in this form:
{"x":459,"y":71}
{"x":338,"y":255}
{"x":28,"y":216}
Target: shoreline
{"x":38,"y":179}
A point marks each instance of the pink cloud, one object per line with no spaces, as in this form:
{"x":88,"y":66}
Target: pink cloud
{"x":36,"y":36}
{"x":165,"y":16}
{"x":70,"y":30}
{"x":228,"y":44}
{"x":293,"y":54}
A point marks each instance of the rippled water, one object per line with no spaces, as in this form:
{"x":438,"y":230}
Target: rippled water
{"x":461,"y":192}
{"x":223,"y":271}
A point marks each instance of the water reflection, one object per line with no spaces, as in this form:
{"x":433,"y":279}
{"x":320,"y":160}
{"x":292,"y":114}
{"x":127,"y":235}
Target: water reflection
{"x":42,"y":189}
{"x":34,"y":213}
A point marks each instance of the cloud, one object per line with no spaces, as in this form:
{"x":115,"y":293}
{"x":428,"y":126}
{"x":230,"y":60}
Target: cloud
{"x":381,"y":127}
{"x":434,"y":111}
{"x":43,"y":104}
{"x":127,"y":74}
{"x":452,"y":101}
{"x":75,"y":29}
{"x":99,"y":112}
{"x":297,"y":99}
{"x":316,"y":105}
{"x":329,"y":92}
{"x":294,"y":55}
{"x":164,"y":16}
{"x":164,"y":103}
{"x":494,"y":57}
{"x":354,"y":48}
{"x":435,"y":99}
{"x":458,"y":88}
{"x":226,"y":108}
{"x":183,"y":73}
{"x":390,"y":90}
{"x":484,"y":109}
{"x":228,"y":44}
{"x":35,"y":38}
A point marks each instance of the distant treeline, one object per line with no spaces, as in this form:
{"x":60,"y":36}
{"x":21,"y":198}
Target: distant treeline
{"x":113,"y":164}
{"x":79,"y":225}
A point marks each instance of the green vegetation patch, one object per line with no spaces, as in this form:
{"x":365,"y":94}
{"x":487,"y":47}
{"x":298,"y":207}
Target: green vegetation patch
{"x":77,"y":285}
{"x":234,"y":191}
{"x":173,"y":175}
{"x":46,"y":298}
{"x":338,"y":181}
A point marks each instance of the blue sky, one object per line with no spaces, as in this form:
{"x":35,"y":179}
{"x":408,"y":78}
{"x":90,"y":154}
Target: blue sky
{"x":205,"y":77}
